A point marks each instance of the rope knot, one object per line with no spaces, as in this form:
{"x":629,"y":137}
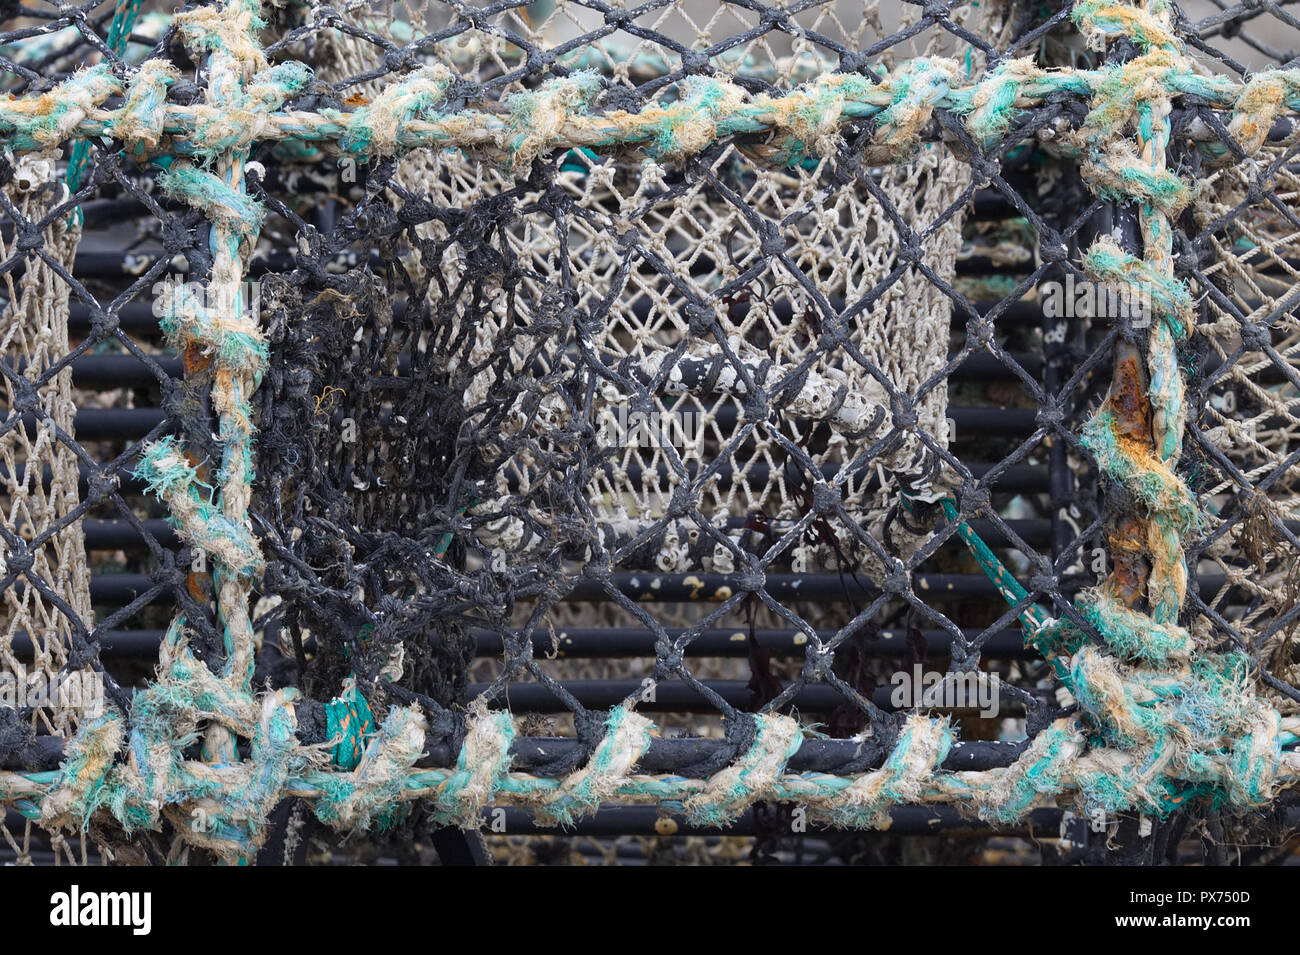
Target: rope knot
{"x":729,"y":792}
{"x":537,"y":118}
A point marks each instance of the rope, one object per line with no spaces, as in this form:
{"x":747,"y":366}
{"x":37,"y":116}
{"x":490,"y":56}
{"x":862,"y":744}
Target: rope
{"x":406,"y":115}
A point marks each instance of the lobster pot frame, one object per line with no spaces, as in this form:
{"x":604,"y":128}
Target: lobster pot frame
{"x":570,"y":430}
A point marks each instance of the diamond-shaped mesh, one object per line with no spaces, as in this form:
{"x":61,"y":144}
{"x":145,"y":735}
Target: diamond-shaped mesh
{"x":571,"y":430}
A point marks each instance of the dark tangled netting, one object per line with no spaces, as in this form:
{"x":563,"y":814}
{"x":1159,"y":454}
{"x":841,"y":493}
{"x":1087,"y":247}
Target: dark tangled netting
{"x":370,"y":456}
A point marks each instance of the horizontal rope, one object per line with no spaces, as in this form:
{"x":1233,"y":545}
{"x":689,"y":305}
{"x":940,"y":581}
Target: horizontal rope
{"x":406,"y":115}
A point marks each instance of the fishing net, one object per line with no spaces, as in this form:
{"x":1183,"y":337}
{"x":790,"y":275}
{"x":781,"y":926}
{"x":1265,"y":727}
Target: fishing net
{"x":572,"y":431}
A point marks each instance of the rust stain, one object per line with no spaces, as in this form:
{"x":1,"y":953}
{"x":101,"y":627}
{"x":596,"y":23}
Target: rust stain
{"x":195,"y":360}
{"x":1128,"y":579}
{"x":1128,"y":399}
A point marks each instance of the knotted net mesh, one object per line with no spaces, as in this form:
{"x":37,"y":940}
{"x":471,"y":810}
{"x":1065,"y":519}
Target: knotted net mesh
{"x":682,"y":432}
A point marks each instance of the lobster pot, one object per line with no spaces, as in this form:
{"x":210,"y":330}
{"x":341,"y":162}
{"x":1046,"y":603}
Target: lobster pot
{"x":692,"y":433}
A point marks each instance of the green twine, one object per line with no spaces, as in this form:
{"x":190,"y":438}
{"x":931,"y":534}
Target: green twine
{"x":349,"y":721}
{"x":1031,"y":618}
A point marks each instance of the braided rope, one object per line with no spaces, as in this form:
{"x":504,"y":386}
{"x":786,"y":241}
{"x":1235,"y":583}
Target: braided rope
{"x":406,"y":116}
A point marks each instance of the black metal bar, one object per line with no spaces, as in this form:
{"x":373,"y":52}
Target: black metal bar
{"x":619,"y":643}
{"x":122,"y":371}
{"x":127,"y":424}
{"x":127,"y":483}
{"x":137,"y":318}
{"x":140,"y":644}
{"x":672,"y":754}
{"x":1021,"y":478}
{"x":1017,"y":478}
{"x":784,"y":588}
{"x":118,"y":589}
{"x":109,"y":424}
{"x":611,"y":821}
{"x":973,"y":423}
{"x":981,"y":366}
{"x":127,"y":371}
{"x":675,"y":754}
{"x":119,"y":535}
{"x":591,"y":642}
{"x":675,"y":696}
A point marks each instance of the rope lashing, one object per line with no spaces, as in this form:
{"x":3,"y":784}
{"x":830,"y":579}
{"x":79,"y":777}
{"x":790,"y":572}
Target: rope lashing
{"x":1169,"y":707}
{"x":75,"y":790}
{"x":1131,"y":634}
{"x":236,"y":122}
{"x":227,"y":337}
{"x":1264,"y":97}
{"x":48,"y":119}
{"x":1167,"y":298}
{"x":627,"y":736}
{"x":228,"y":30}
{"x":380,"y":781}
{"x":241,"y":88}
{"x":923,"y":744}
{"x":142,"y":127}
{"x":167,"y":472}
{"x":733,"y":790}
{"x":994,"y":103}
{"x":230,"y":206}
{"x":813,"y":124}
{"x":1169,"y":510}
{"x":481,"y":766}
{"x":1044,"y":769}
{"x":1137,"y":92}
{"x":372,"y":130}
{"x":1054,"y":763}
{"x":537,"y":118}
{"x":917,"y":88}
{"x":1145,"y":22}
